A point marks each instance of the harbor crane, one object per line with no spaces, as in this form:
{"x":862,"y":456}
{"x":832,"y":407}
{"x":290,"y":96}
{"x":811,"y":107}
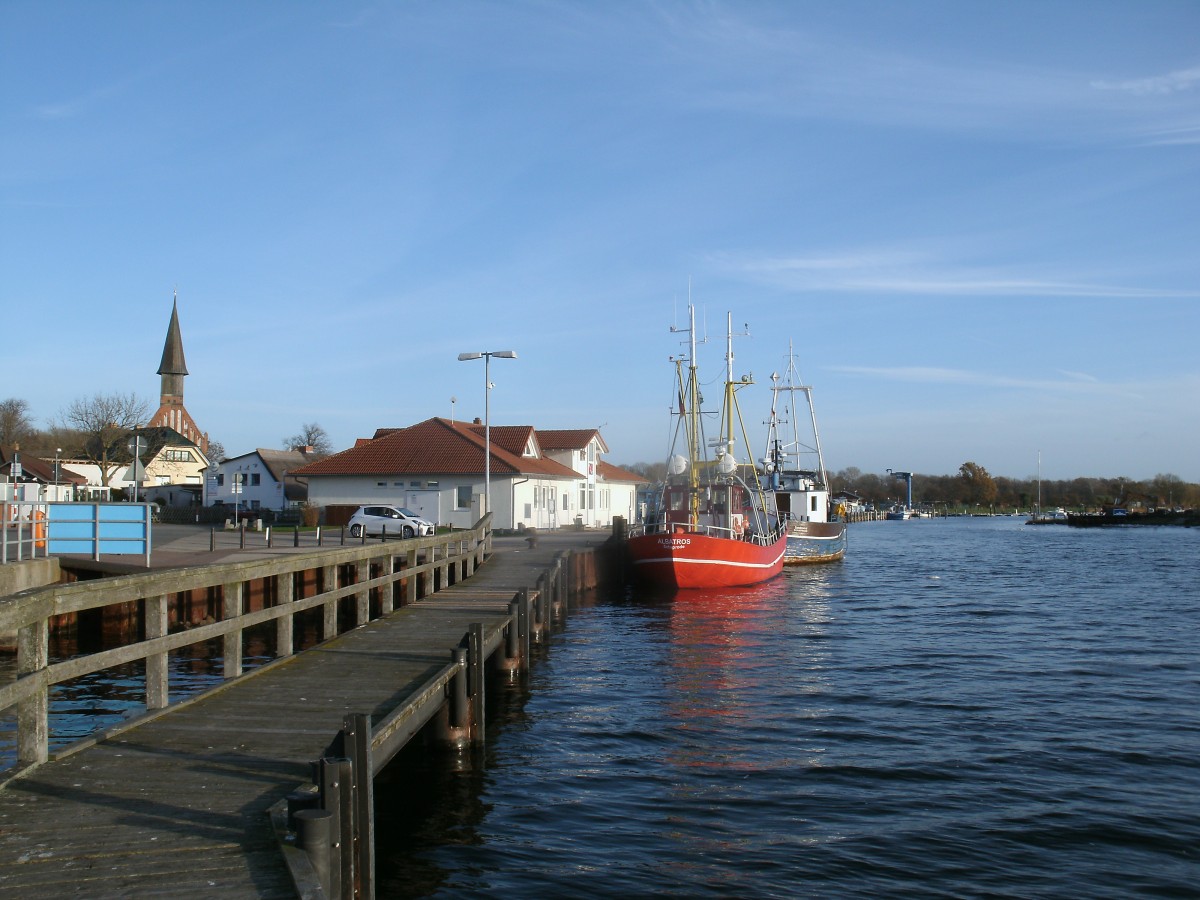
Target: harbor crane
{"x":906,"y":477}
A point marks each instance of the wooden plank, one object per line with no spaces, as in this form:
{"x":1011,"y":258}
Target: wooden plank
{"x":178,"y":805}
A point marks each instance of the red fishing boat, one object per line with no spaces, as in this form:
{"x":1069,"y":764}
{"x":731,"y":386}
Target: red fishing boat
{"x":710,"y":527}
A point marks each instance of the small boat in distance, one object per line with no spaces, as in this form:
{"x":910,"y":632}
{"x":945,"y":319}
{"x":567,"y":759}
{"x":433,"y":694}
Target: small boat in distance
{"x":711,"y":527}
{"x":815,"y":533}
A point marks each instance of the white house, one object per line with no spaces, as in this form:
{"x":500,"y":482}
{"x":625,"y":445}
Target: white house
{"x":436,"y":468}
{"x":262,"y":479}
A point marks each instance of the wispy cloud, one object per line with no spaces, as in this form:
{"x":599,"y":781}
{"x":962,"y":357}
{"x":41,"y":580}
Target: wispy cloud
{"x":1171,"y":83}
{"x":911,"y":273}
{"x":764,"y":69}
{"x":1074,"y":382}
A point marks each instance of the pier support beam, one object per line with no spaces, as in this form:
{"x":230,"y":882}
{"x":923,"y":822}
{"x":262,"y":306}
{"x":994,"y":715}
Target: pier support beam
{"x":157,"y":672}
{"x":231,"y":608}
{"x":33,"y":714}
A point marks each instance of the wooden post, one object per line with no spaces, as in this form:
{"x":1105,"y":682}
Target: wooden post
{"x":329,"y":582}
{"x":336,"y":797}
{"x":284,"y":590}
{"x":523,"y":626}
{"x":357,"y":727}
{"x":362,"y":599}
{"x":412,"y":576}
{"x":157,"y":672}
{"x":475,"y":663}
{"x":33,"y":715}
{"x":231,"y":596}
{"x":458,"y":689}
{"x":387,"y":595}
{"x":512,"y":645}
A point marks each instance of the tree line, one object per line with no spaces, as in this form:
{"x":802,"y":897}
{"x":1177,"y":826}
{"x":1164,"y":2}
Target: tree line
{"x":974,"y":487}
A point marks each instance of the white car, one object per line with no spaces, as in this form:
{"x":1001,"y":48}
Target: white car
{"x":395,"y":520}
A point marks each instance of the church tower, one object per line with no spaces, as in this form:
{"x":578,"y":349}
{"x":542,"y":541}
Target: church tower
{"x":172,"y":370}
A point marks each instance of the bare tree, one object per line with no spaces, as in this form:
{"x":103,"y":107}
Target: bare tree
{"x":216,"y":452}
{"x":15,"y":424}
{"x":311,"y":435}
{"x":104,"y":421}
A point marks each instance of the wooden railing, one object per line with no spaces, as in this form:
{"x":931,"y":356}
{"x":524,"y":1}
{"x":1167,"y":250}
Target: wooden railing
{"x":437,"y":561}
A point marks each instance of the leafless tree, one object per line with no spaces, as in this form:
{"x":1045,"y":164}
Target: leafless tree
{"x":15,"y":424}
{"x":311,"y":435}
{"x":104,"y":421}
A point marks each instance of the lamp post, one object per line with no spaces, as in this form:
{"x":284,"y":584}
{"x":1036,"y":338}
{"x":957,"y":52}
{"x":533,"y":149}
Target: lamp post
{"x":487,"y":418}
{"x":57,"y":450}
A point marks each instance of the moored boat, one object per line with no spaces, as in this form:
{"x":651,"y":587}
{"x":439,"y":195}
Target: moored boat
{"x":712,"y":527}
{"x":815,"y":532}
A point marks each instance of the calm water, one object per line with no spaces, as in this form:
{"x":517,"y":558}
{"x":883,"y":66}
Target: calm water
{"x":964,"y":707}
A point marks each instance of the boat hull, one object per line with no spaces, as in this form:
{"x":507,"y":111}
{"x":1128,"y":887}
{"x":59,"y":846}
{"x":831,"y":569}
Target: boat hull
{"x":690,"y":560}
{"x":814,"y":542}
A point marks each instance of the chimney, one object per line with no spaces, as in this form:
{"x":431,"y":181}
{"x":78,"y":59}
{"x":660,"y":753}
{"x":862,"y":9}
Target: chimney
{"x":478,"y":421}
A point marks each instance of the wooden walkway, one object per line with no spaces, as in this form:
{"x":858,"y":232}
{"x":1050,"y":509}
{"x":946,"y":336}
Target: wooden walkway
{"x":178,"y":806}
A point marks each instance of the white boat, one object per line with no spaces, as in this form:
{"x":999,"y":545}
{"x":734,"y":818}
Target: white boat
{"x":795,"y":479}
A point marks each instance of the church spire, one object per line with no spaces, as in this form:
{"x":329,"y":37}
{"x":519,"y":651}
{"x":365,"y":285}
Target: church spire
{"x":172,"y":357}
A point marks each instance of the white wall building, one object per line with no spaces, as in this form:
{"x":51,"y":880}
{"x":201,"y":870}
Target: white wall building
{"x":436,"y":468}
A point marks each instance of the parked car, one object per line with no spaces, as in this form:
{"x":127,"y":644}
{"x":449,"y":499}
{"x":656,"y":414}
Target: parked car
{"x":395,"y":520}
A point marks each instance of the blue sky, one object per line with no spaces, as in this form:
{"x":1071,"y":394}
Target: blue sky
{"x":978,"y":222}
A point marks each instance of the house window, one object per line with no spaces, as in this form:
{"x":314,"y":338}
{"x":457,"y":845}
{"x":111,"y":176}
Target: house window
{"x":528,"y":511}
{"x":220,"y":479}
{"x":462,"y":498}
{"x":583,"y":496}
{"x":566,"y":501}
{"x":255,"y":478}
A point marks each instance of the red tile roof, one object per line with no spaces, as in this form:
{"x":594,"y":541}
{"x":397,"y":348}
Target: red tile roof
{"x":438,"y":447}
{"x":570,"y":439}
{"x":609,"y":472}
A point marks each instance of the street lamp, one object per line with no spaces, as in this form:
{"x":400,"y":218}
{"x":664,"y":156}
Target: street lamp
{"x":487,"y":423}
{"x":57,"y":450}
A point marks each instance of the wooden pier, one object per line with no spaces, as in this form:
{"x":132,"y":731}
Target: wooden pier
{"x":192,"y":800}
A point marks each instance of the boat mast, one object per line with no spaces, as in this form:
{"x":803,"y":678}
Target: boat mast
{"x":791,"y":386}
{"x":689,"y":398}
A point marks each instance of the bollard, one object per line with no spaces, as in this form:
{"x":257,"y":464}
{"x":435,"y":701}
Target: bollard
{"x":296,"y":536}
{"x":268,"y":537}
{"x":298,"y":800}
{"x":314,"y":833}
{"x":212,"y":541}
{"x":318,"y":535}
{"x":243,"y":537}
